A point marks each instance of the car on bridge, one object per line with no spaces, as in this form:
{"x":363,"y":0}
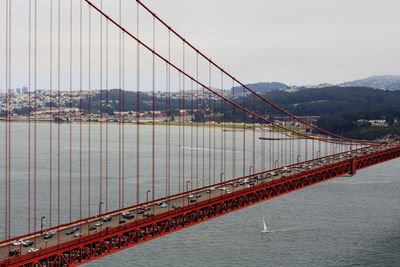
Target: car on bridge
{"x":148,"y":214}
{"x":107,"y":218}
{"x":27,"y":243}
{"x":128,"y":215}
{"x":50,"y":234}
{"x":174,"y":206}
{"x":17,"y":242}
{"x":33,"y":250}
{"x":13,"y":253}
{"x":73,"y":230}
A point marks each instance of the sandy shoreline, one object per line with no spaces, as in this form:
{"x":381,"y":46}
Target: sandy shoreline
{"x":227,"y":127}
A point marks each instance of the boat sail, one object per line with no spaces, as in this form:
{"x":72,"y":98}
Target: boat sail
{"x":265,"y":228}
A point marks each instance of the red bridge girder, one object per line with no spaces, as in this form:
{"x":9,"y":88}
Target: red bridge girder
{"x":115,"y":239}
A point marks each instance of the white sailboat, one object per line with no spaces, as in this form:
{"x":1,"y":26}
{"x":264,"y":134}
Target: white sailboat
{"x":265,"y":228}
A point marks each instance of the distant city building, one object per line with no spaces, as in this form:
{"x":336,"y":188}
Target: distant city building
{"x":24,"y":90}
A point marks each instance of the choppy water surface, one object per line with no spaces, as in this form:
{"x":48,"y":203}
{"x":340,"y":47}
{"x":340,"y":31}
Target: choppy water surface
{"x":348,"y":221}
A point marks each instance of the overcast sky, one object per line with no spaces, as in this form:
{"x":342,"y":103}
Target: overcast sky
{"x":297,"y":42}
{"x":293,"y":41}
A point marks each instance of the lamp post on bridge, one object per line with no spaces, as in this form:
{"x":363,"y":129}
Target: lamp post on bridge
{"x":298,"y":158}
{"x":41,"y":224}
{"x":187,"y":190}
{"x":100,"y":204}
{"x":276,"y":164}
{"x":251,"y":167}
{"x":147,"y":195}
{"x":318,"y":154}
{"x":187,"y":186}
{"x":220,"y":178}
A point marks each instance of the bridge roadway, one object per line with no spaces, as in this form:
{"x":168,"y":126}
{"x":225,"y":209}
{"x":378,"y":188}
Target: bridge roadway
{"x":178,"y":201}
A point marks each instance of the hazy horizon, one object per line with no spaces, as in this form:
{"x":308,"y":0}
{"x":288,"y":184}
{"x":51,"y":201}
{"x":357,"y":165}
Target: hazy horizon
{"x":306,"y":42}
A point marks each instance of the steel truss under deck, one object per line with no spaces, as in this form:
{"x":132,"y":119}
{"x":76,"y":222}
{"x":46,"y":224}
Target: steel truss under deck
{"x":115,"y":239}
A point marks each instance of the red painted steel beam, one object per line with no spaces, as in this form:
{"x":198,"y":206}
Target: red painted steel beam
{"x":163,"y":199}
{"x":111,"y":240}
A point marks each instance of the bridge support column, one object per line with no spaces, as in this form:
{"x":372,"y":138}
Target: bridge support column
{"x":353,"y":167}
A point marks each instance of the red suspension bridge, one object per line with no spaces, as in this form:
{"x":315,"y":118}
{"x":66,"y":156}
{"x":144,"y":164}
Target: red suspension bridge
{"x":137,"y":135}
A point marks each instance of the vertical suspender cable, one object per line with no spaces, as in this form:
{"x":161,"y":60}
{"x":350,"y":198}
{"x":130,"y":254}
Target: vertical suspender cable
{"x":197,"y":123}
{"x":35,"y":119}
{"x":254,"y":134}
{"x":285,"y":145}
{"x":51,"y":118}
{"x":107,"y":115}
{"x":191,"y":133}
{"x":137,"y":112}
{"x":306,"y":144}
{"x":169,"y":117}
{"x":70,"y":111}
{"x":209,"y":126}
{"x":7,"y":91}
{"x":101,"y":110}
{"x":299,"y":145}
{"x":5,"y":128}
{"x":283,"y":136}
{"x":9,"y":123}
{"x":184,"y":110}
{"x":29,"y":116}
{"x":89,"y":101}
{"x":214,"y":118}
{"x":263,"y":141}
{"x":179,"y":132}
{"x":166,"y":130}
{"x":273,"y":128}
{"x":234,"y":133}
{"x":123,"y":120}
{"x":119,"y":114}
{"x":222,"y":124}
{"x":204,"y":124}
{"x":223,"y":103}
{"x":153,"y":115}
{"x":291,"y":143}
{"x":194,"y":117}
{"x":59,"y":116}
{"x":313,"y":148}
{"x":244,"y":134}
{"x":80,"y":113}
{"x":9,"y":120}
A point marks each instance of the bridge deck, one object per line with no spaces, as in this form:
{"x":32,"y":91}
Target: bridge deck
{"x":181,"y":201}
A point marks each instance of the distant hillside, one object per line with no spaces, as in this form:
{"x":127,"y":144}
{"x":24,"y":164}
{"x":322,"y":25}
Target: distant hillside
{"x":356,"y":123}
{"x":263,"y":87}
{"x":384,"y":82}
{"x":316,"y":101}
{"x":331,"y":100}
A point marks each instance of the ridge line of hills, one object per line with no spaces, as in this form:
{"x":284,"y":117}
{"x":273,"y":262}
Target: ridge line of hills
{"x":383,"y":82}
